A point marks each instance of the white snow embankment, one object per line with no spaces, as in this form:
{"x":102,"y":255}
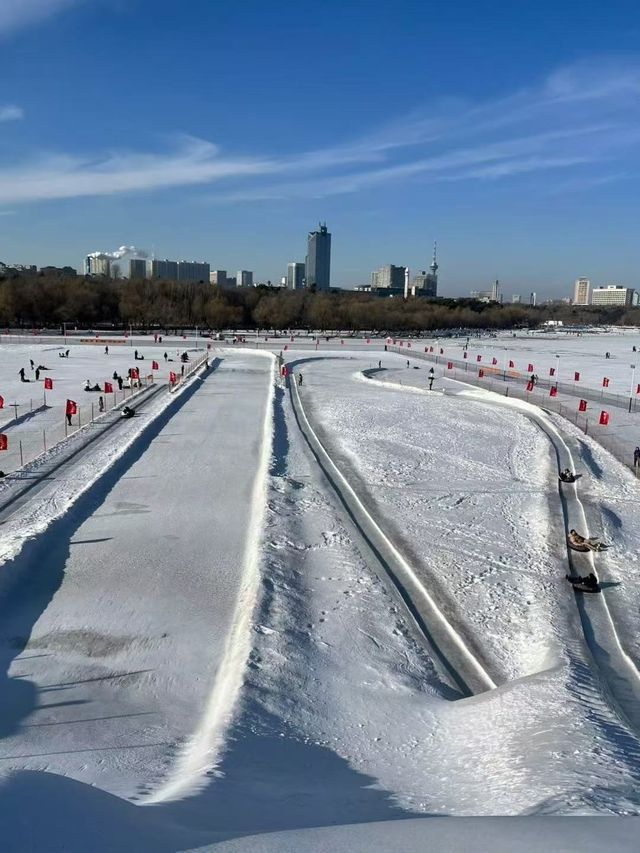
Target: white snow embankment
{"x":616,"y":666}
{"x":447,"y":644}
{"x":204,"y":747}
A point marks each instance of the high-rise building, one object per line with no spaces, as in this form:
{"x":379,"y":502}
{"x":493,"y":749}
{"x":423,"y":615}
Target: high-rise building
{"x":219,"y":277}
{"x":612,"y":294}
{"x":163,"y":269}
{"x":388,"y":276}
{"x":318,"y":264}
{"x":426,"y":283}
{"x":244,"y":278}
{"x":516,"y":299}
{"x":137,"y":268}
{"x":96,"y":265}
{"x":533,"y":299}
{"x":193,"y":271}
{"x":582,"y":291}
{"x":295,"y":275}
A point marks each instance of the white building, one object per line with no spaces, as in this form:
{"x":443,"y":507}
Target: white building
{"x":582,"y":292}
{"x":612,"y":294}
{"x":295,"y":275}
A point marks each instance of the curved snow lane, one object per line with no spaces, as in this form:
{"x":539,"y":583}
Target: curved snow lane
{"x":124,"y":611}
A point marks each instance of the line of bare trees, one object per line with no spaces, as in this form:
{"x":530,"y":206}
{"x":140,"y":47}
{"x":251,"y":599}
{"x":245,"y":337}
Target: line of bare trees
{"x":44,"y":301}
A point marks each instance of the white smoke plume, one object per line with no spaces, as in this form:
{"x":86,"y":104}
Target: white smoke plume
{"x":120,"y":253}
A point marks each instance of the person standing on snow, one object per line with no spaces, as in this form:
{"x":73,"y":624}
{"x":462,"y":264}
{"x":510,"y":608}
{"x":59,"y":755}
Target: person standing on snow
{"x":101,"y":405}
{"x":636,"y":457}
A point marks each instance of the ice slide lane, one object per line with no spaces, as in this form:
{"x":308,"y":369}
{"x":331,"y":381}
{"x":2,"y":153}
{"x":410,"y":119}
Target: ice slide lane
{"x":618,"y":670}
{"x":447,"y":645}
{"x":124,"y":633}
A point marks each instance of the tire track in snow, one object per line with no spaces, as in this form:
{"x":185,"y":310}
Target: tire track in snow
{"x":204,"y":747}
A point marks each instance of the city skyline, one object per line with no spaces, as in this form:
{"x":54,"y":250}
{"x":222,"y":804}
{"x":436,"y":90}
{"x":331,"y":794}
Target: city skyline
{"x":516,"y":151}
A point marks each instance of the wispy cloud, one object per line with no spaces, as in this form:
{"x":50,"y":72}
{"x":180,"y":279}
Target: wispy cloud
{"x":578,"y":121}
{"x":16,"y":14}
{"x":11,"y":113}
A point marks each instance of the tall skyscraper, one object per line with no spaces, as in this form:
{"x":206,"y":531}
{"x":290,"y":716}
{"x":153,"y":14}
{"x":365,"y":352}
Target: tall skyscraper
{"x":582,"y":292}
{"x":318,"y":266}
{"x":295,"y":275}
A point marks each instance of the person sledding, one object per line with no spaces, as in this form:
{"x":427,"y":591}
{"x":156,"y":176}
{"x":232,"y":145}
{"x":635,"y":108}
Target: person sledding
{"x":567,"y":476}
{"x":583,"y":543}
{"x":127,"y":412}
{"x":588,"y":583}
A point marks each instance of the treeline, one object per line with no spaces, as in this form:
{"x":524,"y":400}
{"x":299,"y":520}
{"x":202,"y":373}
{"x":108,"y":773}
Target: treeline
{"x":49,"y":301}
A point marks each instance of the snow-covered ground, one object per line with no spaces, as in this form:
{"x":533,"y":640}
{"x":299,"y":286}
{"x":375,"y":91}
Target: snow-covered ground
{"x":127,"y":623}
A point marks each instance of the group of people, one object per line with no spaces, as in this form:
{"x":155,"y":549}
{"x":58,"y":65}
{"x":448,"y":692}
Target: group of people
{"x":64,"y":354}
{"x":577,"y":542}
{"x":22,"y":372}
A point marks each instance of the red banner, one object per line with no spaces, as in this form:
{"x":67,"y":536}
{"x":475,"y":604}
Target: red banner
{"x":108,"y":388}
{"x":553,"y":392}
{"x":512,"y":364}
{"x":4,"y":442}
{"x":480,"y":373}
{"x":576,"y":377}
{"x":430,"y":349}
{"x":135,"y":373}
{"x":529,"y":368}
{"x":552,"y":371}
{"x":604,"y":418}
{"x":441,"y":352}
{"x":72,"y":407}
{"x":449,"y":365}
{"x":155,"y":365}
{"x":494,"y":361}
{"x":48,"y":384}
{"x":173,"y":377}
{"x":2,"y":400}
{"x":605,"y":382}
{"x":583,"y":406}
{"x":478,"y":358}
{"x":529,"y":386}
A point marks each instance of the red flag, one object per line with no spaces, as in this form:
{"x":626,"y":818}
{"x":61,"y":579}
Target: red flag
{"x":480,"y":373}
{"x":478,"y":358}
{"x":2,"y":401}
{"x":605,"y":382}
{"x":409,"y":344}
{"x":401,"y":344}
{"x":553,"y":392}
{"x":529,"y":368}
{"x":108,"y":388}
{"x":512,"y":364}
{"x":637,"y":392}
{"x":552,"y":371}
{"x":135,"y":373}
{"x":441,"y":351}
{"x":156,"y":366}
{"x":4,"y":442}
{"x":72,"y":407}
{"x":449,"y":365}
{"x":604,"y":418}
{"x":529,"y":386}
{"x":173,"y":377}
{"x":583,"y":406}
{"x":576,"y":377}
{"x":494,"y":361}
{"x":465,"y":354}
{"x":426,"y":349}
{"x":48,"y":384}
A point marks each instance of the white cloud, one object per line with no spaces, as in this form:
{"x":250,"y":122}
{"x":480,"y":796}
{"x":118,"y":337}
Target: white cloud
{"x":575,"y":121}
{"x":11,"y":112}
{"x":15,"y":14}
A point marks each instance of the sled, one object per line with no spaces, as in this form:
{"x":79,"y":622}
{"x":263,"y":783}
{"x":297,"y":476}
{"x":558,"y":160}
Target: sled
{"x":567,"y":479}
{"x":580,"y":587}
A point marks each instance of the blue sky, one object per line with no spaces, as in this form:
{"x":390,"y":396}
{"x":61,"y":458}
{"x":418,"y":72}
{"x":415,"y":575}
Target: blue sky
{"x":509,"y":132}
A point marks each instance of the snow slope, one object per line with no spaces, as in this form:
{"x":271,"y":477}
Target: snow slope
{"x":116,"y":619}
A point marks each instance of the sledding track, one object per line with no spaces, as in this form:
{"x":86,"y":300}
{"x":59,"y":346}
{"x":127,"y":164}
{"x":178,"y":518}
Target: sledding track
{"x":619,"y":674}
{"x":448,"y":647}
{"x":133,"y":607}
